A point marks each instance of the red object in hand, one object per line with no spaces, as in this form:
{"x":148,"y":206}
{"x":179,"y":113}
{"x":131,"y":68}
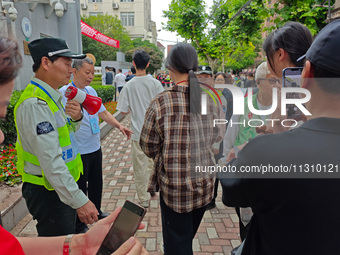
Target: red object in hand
{"x":90,"y":103}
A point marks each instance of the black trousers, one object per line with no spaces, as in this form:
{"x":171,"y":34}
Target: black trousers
{"x":179,"y":229}
{"x":54,"y":217}
{"x":91,"y":182}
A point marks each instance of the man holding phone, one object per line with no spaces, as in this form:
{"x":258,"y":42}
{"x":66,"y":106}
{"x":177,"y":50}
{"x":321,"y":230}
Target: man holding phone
{"x":302,"y":198}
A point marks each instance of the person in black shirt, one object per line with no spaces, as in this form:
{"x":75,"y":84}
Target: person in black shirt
{"x":296,"y":212}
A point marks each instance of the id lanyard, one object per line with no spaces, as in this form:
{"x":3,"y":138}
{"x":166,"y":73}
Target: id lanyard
{"x":93,"y":120}
{"x":46,"y":92}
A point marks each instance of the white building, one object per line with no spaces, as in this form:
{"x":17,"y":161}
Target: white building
{"x":27,"y":20}
{"x":135,"y":15}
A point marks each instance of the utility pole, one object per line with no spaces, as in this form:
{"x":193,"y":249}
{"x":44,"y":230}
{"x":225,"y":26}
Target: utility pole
{"x":335,"y":13}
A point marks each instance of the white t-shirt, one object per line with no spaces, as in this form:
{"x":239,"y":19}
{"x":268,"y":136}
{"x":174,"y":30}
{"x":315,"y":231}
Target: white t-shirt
{"x":87,"y":141}
{"x":120,"y":80}
{"x":136,"y":97}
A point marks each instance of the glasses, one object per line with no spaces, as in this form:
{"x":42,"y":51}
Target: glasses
{"x":220,"y":80}
{"x":272,"y":80}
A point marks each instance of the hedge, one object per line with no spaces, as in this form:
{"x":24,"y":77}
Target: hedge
{"x":7,"y":126}
{"x":105,"y":92}
{"x":97,"y":77}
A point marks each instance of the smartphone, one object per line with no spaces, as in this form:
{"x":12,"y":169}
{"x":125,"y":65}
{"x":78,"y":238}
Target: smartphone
{"x":291,"y":77}
{"x":125,"y":226}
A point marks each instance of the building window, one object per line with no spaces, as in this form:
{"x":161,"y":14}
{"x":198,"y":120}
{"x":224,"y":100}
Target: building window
{"x":127,"y":18}
{"x":125,"y":1}
{"x":95,"y":1}
{"x":95,"y":13}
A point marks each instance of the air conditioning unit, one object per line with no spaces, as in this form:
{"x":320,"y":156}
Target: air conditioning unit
{"x":83,"y":6}
{"x":115,"y":6}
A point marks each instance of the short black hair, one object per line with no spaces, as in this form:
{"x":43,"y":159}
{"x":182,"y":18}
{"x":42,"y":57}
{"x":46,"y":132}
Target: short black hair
{"x":141,"y":59}
{"x":120,"y":70}
{"x":133,"y":69}
{"x":36,"y":65}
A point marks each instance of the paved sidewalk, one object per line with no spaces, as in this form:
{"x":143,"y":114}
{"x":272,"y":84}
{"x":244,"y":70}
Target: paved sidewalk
{"x":218,"y":232}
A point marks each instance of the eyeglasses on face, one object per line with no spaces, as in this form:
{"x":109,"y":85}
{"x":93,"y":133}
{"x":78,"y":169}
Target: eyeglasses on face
{"x":272,"y":80}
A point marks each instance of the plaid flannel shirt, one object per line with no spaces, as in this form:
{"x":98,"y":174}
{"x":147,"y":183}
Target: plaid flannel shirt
{"x":179,"y":141}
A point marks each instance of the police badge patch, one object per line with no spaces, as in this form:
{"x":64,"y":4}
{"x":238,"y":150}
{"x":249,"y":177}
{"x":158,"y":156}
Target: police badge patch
{"x":44,"y":128}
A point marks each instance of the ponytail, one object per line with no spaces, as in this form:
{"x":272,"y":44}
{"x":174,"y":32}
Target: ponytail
{"x":195,"y":93}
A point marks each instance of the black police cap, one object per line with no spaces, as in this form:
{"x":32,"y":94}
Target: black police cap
{"x":49,"y":47}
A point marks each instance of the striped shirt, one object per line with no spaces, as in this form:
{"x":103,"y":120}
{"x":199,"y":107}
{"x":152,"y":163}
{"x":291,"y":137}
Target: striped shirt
{"x":181,"y":145}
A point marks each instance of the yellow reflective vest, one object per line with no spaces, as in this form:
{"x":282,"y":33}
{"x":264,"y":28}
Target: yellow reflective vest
{"x":71,"y":158}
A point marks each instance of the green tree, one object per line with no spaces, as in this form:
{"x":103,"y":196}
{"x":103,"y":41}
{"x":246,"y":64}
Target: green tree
{"x":242,"y":57}
{"x":156,"y":56}
{"x":109,"y":26}
{"x":220,"y":32}
{"x":233,"y":26}
{"x":306,"y":12}
{"x":140,"y":43}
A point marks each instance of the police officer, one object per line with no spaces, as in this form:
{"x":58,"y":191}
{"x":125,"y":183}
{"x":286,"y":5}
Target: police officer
{"x":48,"y":157}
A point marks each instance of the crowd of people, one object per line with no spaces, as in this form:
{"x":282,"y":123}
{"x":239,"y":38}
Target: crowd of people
{"x":59,"y":155}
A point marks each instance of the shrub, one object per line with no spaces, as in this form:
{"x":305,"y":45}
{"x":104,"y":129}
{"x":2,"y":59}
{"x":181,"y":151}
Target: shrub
{"x":8,"y":125}
{"x":96,"y":83}
{"x":106,"y":93}
{"x":98,"y":77}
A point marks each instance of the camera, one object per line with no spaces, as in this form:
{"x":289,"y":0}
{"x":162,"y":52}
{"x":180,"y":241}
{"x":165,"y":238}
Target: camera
{"x":12,"y":13}
{"x":59,"y":9}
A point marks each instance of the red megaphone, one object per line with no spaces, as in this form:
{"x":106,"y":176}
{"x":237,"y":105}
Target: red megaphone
{"x":90,"y":103}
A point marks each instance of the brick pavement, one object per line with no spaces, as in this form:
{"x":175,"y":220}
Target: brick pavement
{"x":217,"y":234}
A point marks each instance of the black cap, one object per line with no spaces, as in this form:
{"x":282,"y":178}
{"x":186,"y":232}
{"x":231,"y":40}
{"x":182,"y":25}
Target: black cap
{"x":49,"y":47}
{"x":204,"y":69}
{"x":325,"y":49}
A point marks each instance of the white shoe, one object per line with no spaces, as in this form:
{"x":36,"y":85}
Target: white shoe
{"x":145,"y":204}
{"x":161,"y":248}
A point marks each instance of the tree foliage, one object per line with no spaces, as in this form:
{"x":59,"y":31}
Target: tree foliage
{"x":232,"y":28}
{"x":156,"y":56}
{"x":305,"y":12}
{"x":189,"y":19}
{"x":109,"y":26}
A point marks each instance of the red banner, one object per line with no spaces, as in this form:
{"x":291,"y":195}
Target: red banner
{"x":94,"y":34}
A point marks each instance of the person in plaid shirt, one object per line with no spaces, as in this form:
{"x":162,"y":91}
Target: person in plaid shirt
{"x":179,"y":139}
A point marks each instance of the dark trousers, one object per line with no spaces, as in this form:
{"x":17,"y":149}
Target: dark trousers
{"x":120,"y":89}
{"x":179,"y":229}
{"x":91,"y":182}
{"x":54,"y":217}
